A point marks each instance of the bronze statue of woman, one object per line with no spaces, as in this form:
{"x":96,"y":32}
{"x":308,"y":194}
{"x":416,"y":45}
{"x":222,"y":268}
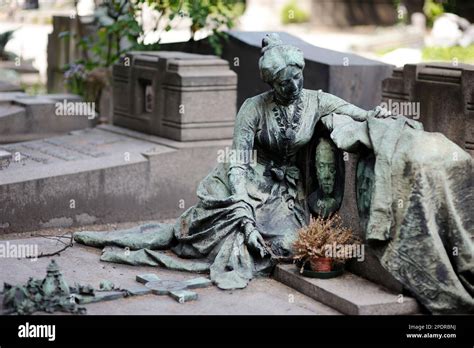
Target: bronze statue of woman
{"x":247,"y":215}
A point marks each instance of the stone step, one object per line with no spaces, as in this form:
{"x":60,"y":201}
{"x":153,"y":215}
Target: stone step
{"x":348,"y":293}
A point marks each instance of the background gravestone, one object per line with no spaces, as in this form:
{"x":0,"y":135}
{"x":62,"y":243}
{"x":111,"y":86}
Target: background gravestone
{"x":175,"y":95}
{"x":349,"y":76}
{"x":62,"y":51}
{"x":347,"y":13}
{"x":445,"y":94}
{"x":24,"y":118}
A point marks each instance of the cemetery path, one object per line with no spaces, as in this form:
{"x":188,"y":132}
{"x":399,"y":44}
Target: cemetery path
{"x":263,"y":296}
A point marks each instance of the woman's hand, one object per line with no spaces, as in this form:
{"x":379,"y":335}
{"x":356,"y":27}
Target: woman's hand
{"x":256,"y":242}
{"x":380,"y":112}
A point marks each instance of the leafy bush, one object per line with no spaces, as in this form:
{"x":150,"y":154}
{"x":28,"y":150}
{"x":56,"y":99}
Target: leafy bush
{"x":120,"y":32}
{"x":432,"y":10}
{"x":291,"y":13}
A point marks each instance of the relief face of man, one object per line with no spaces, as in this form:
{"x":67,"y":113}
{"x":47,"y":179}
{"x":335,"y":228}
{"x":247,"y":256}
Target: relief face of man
{"x":325,"y":167}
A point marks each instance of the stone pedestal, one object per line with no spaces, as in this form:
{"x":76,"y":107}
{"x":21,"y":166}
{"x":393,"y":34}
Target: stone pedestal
{"x":444,"y":93}
{"x":176,"y":95}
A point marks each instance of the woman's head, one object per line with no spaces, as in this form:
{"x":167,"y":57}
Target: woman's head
{"x":281,"y":66}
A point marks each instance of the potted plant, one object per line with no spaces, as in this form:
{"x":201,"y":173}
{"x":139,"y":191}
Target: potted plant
{"x":323,"y":246}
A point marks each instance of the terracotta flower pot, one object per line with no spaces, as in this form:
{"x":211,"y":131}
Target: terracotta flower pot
{"x":321,"y":264}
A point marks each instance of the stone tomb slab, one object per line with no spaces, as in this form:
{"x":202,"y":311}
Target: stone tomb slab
{"x":146,"y":278}
{"x":348,"y":293}
{"x":100,"y":175}
{"x":263,"y":296}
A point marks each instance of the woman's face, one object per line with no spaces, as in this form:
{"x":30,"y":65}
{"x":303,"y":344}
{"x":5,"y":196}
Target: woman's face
{"x":288,"y":84}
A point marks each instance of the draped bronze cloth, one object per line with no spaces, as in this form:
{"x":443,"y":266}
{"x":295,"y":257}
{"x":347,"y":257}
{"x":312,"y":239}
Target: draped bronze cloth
{"x":421,"y":221}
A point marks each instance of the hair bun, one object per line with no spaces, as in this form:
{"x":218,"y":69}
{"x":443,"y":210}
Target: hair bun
{"x":270,"y":41}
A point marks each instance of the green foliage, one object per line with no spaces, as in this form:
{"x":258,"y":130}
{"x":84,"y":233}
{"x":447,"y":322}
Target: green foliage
{"x":214,"y":16}
{"x":291,"y":13}
{"x":451,"y":54}
{"x":117,"y":23}
{"x":36,"y":88}
{"x":119,"y":30}
{"x":211,"y":16}
{"x":432,"y":10}
{"x":435,"y":8}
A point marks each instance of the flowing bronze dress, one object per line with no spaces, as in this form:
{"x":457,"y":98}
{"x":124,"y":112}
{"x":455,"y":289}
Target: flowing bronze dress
{"x":211,"y":232}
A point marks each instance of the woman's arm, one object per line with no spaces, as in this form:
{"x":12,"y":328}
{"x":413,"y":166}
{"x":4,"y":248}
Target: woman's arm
{"x":347,"y":133}
{"x":244,"y":134}
{"x":329,"y":104}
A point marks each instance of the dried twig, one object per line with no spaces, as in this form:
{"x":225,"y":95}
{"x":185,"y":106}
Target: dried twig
{"x":58,"y":252}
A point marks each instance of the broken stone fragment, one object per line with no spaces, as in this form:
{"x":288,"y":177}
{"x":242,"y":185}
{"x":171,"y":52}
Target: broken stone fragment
{"x":107,"y":285}
{"x":183,"y":295}
{"x":164,"y":287}
{"x":138,"y":290}
{"x":197,"y":283}
{"x":146,"y":278}
{"x":98,"y":297}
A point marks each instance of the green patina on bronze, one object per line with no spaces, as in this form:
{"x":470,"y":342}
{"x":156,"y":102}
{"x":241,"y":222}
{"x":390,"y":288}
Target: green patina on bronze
{"x":416,"y":202}
{"x":325,"y":200}
{"x":248,"y":213}
{"x":48,"y":295}
{"x":53,"y":294}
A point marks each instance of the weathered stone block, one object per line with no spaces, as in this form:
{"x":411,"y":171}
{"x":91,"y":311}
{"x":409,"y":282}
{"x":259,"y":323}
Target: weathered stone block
{"x":164,"y":287}
{"x":348,"y":293}
{"x":184,"y":295}
{"x":137,"y":290}
{"x":196,"y":283}
{"x":176,"y":95}
{"x":24,"y":118}
{"x":100,"y":296}
{"x":146,"y":278}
